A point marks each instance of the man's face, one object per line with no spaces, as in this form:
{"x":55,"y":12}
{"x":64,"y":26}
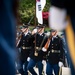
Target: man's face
{"x":24,"y":29}
{"x":54,"y":33}
{"x":40,"y":30}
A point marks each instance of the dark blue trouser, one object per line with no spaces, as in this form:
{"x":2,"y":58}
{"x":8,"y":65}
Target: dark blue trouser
{"x":50,"y":68}
{"x":32,"y":63}
{"x":23,"y":69}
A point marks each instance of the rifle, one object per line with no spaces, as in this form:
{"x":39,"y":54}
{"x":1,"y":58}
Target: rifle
{"x":30,"y":20}
{"x":18,"y":38}
{"x":36,"y":51}
{"x":48,"y":42}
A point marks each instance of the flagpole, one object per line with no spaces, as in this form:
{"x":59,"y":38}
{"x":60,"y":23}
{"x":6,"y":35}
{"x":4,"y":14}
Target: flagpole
{"x":35,"y":14}
{"x":35,"y":26}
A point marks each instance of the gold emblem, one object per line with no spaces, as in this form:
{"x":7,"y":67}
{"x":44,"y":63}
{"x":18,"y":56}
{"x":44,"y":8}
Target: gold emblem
{"x":23,"y":47}
{"x":36,"y":53}
{"x":52,"y":51}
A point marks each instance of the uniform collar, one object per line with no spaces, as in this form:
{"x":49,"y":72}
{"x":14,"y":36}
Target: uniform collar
{"x":41,"y":34}
{"x":26,"y":33}
{"x":55,"y":36}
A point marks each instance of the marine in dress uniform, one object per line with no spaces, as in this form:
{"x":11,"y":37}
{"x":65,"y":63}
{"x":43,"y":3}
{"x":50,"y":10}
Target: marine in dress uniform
{"x":55,"y":54}
{"x":63,"y":9}
{"x":25,"y":44}
{"x":37,"y":53}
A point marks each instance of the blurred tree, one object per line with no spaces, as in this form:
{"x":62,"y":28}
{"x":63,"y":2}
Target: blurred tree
{"x":27,"y":10}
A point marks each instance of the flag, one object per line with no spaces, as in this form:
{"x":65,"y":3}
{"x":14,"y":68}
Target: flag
{"x":43,"y":2}
{"x":39,"y":7}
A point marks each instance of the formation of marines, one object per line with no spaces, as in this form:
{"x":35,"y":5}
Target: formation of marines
{"x":32,"y":51}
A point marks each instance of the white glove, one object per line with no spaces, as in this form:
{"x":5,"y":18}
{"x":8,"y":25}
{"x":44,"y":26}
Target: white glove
{"x":44,"y":50}
{"x":28,"y":59}
{"x":34,"y":31}
{"x":43,"y":62}
{"x":60,"y":64}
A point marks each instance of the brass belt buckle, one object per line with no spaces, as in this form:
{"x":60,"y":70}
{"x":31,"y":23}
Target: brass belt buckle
{"x":23,"y":47}
{"x":37,"y":47}
{"x":36,"y":54}
{"x":52,"y":51}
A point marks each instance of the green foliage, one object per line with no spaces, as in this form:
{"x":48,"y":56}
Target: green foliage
{"x":47,"y":6}
{"x":27,"y":10}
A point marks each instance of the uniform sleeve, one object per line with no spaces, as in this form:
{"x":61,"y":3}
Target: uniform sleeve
{"x":19,"y":44}
{"x":61,"y":50}
{"x":45,"y":40}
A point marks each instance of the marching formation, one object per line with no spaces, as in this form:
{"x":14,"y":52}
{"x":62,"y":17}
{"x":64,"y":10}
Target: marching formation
{"x":38,"y":50}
